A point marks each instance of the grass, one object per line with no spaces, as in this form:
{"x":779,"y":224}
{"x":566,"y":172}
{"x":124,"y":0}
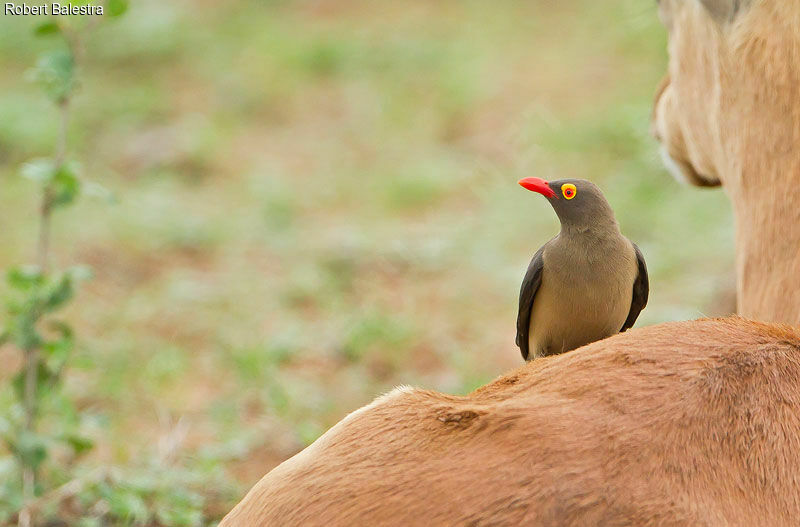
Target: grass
{"x":317,"y":201}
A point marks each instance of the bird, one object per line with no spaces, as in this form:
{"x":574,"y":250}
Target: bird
{"x":587,"y":283}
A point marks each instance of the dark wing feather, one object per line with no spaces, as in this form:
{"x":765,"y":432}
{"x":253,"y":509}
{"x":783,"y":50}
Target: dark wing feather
{"x":641,"y":290}
{"x":530,"y":284}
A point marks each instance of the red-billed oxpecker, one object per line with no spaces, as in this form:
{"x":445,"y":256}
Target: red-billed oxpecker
{"x":587,"y":283}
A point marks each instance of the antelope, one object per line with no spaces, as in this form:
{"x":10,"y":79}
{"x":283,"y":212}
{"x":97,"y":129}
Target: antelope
{"x":728,"y":113}
{"x":682,"y":423}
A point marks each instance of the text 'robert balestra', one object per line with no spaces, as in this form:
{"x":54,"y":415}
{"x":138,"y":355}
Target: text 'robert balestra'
{"x":51,"y":9}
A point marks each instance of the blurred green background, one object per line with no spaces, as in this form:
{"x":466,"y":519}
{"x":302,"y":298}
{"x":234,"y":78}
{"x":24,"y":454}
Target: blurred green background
{"x":317,"y":201}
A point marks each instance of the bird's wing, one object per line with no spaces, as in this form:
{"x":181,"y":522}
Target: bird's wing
{"x":641,"y":290}
{"x":530,"y":284}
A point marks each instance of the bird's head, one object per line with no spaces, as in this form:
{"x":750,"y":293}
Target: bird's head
{"x":578,"y":203}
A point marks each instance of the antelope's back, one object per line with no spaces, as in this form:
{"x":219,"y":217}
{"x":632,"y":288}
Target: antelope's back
{"x":689,"y":423}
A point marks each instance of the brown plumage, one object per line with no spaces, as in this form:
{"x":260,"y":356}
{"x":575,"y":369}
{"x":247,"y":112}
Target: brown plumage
{"x":587,"y":283}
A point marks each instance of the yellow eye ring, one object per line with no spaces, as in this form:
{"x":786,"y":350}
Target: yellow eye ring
{"x":569,"y":191}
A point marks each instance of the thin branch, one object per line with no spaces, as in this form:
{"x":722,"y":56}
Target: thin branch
{"x":61,"y":145}
{"x":46,"y":207}
{"x":32,"y":357}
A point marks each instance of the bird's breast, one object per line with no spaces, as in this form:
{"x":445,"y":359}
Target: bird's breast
{"x":585,"y":295}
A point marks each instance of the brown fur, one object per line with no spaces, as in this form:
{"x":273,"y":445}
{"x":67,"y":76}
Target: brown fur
{"x":729,"y":113}
{"x":688,"y":423}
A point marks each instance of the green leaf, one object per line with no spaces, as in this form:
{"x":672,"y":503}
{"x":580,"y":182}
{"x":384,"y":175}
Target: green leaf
{"x":57,"y":352}
{"x":65,"y":186}
{"x":117,"y":7}
{"x":55,"y":73}
{"x":30,"y":449}
{"x":61,"y":288}
{"x":128,"y":506}
{"x":24,"y":277}
{"x":46,"y":28}
{"x":62,"y":329}
{"x":23,"y":331}
{"x":79,"y":444}
{"x":58,"y":293}
{"x":44,"y":378}
{"x":39,"y":170}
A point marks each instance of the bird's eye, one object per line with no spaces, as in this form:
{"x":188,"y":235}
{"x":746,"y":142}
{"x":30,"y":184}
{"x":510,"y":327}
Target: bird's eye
{"x":569,"y":190}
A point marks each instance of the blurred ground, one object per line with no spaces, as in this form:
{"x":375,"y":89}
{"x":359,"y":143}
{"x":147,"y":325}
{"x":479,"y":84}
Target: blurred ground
{"x":317,"y":201}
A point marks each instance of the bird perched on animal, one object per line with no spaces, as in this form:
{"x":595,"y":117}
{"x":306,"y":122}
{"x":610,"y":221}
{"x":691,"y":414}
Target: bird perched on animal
{"x":587,"y":283}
